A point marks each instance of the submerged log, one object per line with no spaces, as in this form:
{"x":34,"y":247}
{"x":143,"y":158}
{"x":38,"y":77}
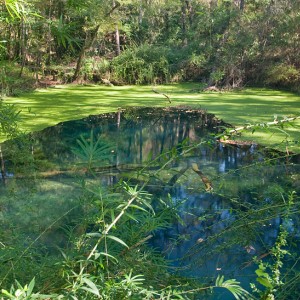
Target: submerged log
{"x":205,"y":180}
{"x":2,"y":167}
{"x":174,"y":178}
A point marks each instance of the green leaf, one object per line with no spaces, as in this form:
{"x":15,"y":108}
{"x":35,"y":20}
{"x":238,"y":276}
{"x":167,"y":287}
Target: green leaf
{"x":131,"y":216}
{"x":138,"y":207}
{"x":108,"y":255}
{"x":39,"y":296}
{"x":89,"y":290}
{"x":233,"y":286}
{"x":265,"y":282}
{"x":94,"y":234}
{"x":31,"y":286}
{"x":219,"y":280}
{"x":93,"y":288}
{"x":261,"y":273}
{"x":117,"y":240}
{"x":6,"y":293}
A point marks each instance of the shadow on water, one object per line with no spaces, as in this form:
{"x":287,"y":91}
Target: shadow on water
{"x":219,"y":189}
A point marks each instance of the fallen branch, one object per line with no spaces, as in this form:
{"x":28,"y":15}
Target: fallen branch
{"x":157,"y":92}
{"x":138,"y":244}
{"x":174,"y":178}
{"x":275,"y":122}
{"x":205,"y":180}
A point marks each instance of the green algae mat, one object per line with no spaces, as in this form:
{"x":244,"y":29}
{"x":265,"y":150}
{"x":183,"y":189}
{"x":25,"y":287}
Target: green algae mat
{"x":47,"y":107}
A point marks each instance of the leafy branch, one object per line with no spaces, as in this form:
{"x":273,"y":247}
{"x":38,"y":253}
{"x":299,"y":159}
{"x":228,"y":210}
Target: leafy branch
{"x":234,"y":287}
{"x":267,"y":124}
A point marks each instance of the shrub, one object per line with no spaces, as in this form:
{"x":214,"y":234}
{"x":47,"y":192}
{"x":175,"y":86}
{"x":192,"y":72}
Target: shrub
{"x":11,"y":83}
{"x":142,"y":65}
{"x":95,"y":68}
{"x":283,"y":75}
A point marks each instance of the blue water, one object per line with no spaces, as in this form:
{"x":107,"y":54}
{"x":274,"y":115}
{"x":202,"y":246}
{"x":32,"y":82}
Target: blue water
{"x":214,"y":236}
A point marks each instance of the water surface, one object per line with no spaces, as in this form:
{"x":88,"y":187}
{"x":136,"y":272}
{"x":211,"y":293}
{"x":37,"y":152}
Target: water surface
{"x":221,"y":188}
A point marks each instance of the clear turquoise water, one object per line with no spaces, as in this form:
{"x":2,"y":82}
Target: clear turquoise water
{"x":245,"y":179}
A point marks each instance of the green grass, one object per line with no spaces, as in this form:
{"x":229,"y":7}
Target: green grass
{"x":46,"y":107}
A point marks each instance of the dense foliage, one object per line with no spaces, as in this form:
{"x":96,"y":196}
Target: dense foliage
{"x":223,"y":43}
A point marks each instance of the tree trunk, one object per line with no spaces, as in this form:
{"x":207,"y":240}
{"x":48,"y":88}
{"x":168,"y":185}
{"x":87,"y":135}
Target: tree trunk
{"x":9,"y":39}
{"x":23,"y":48}
{"x":2,"y":167}
{"x":213,"y":4}
{"x":141,"y":13}
{"x":48,"y":60}
{"x":89,"y":41}
{"x":90,"y":38}
{"x":117,"y":36}
{"x":242,"y":5}
{"x":183,"y":24}
{"x":141,"y":143}
{"x":186,"y":12}
{"x":79,"y":63}
{"x":118,"y":47}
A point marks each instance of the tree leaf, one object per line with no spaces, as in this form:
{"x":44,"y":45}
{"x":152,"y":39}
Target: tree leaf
{"x":93,"y":288}
{"x":108,"y":255}
{"x":261,"y":273}
{"x":265,"y":282}
{"x":31,"y":286}
{"x":112,"y":237}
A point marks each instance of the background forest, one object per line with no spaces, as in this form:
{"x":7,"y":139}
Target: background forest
{"x":224,"y":43}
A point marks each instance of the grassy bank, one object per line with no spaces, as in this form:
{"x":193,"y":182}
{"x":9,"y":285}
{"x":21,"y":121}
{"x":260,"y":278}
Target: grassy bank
{"x":46,"y":107}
